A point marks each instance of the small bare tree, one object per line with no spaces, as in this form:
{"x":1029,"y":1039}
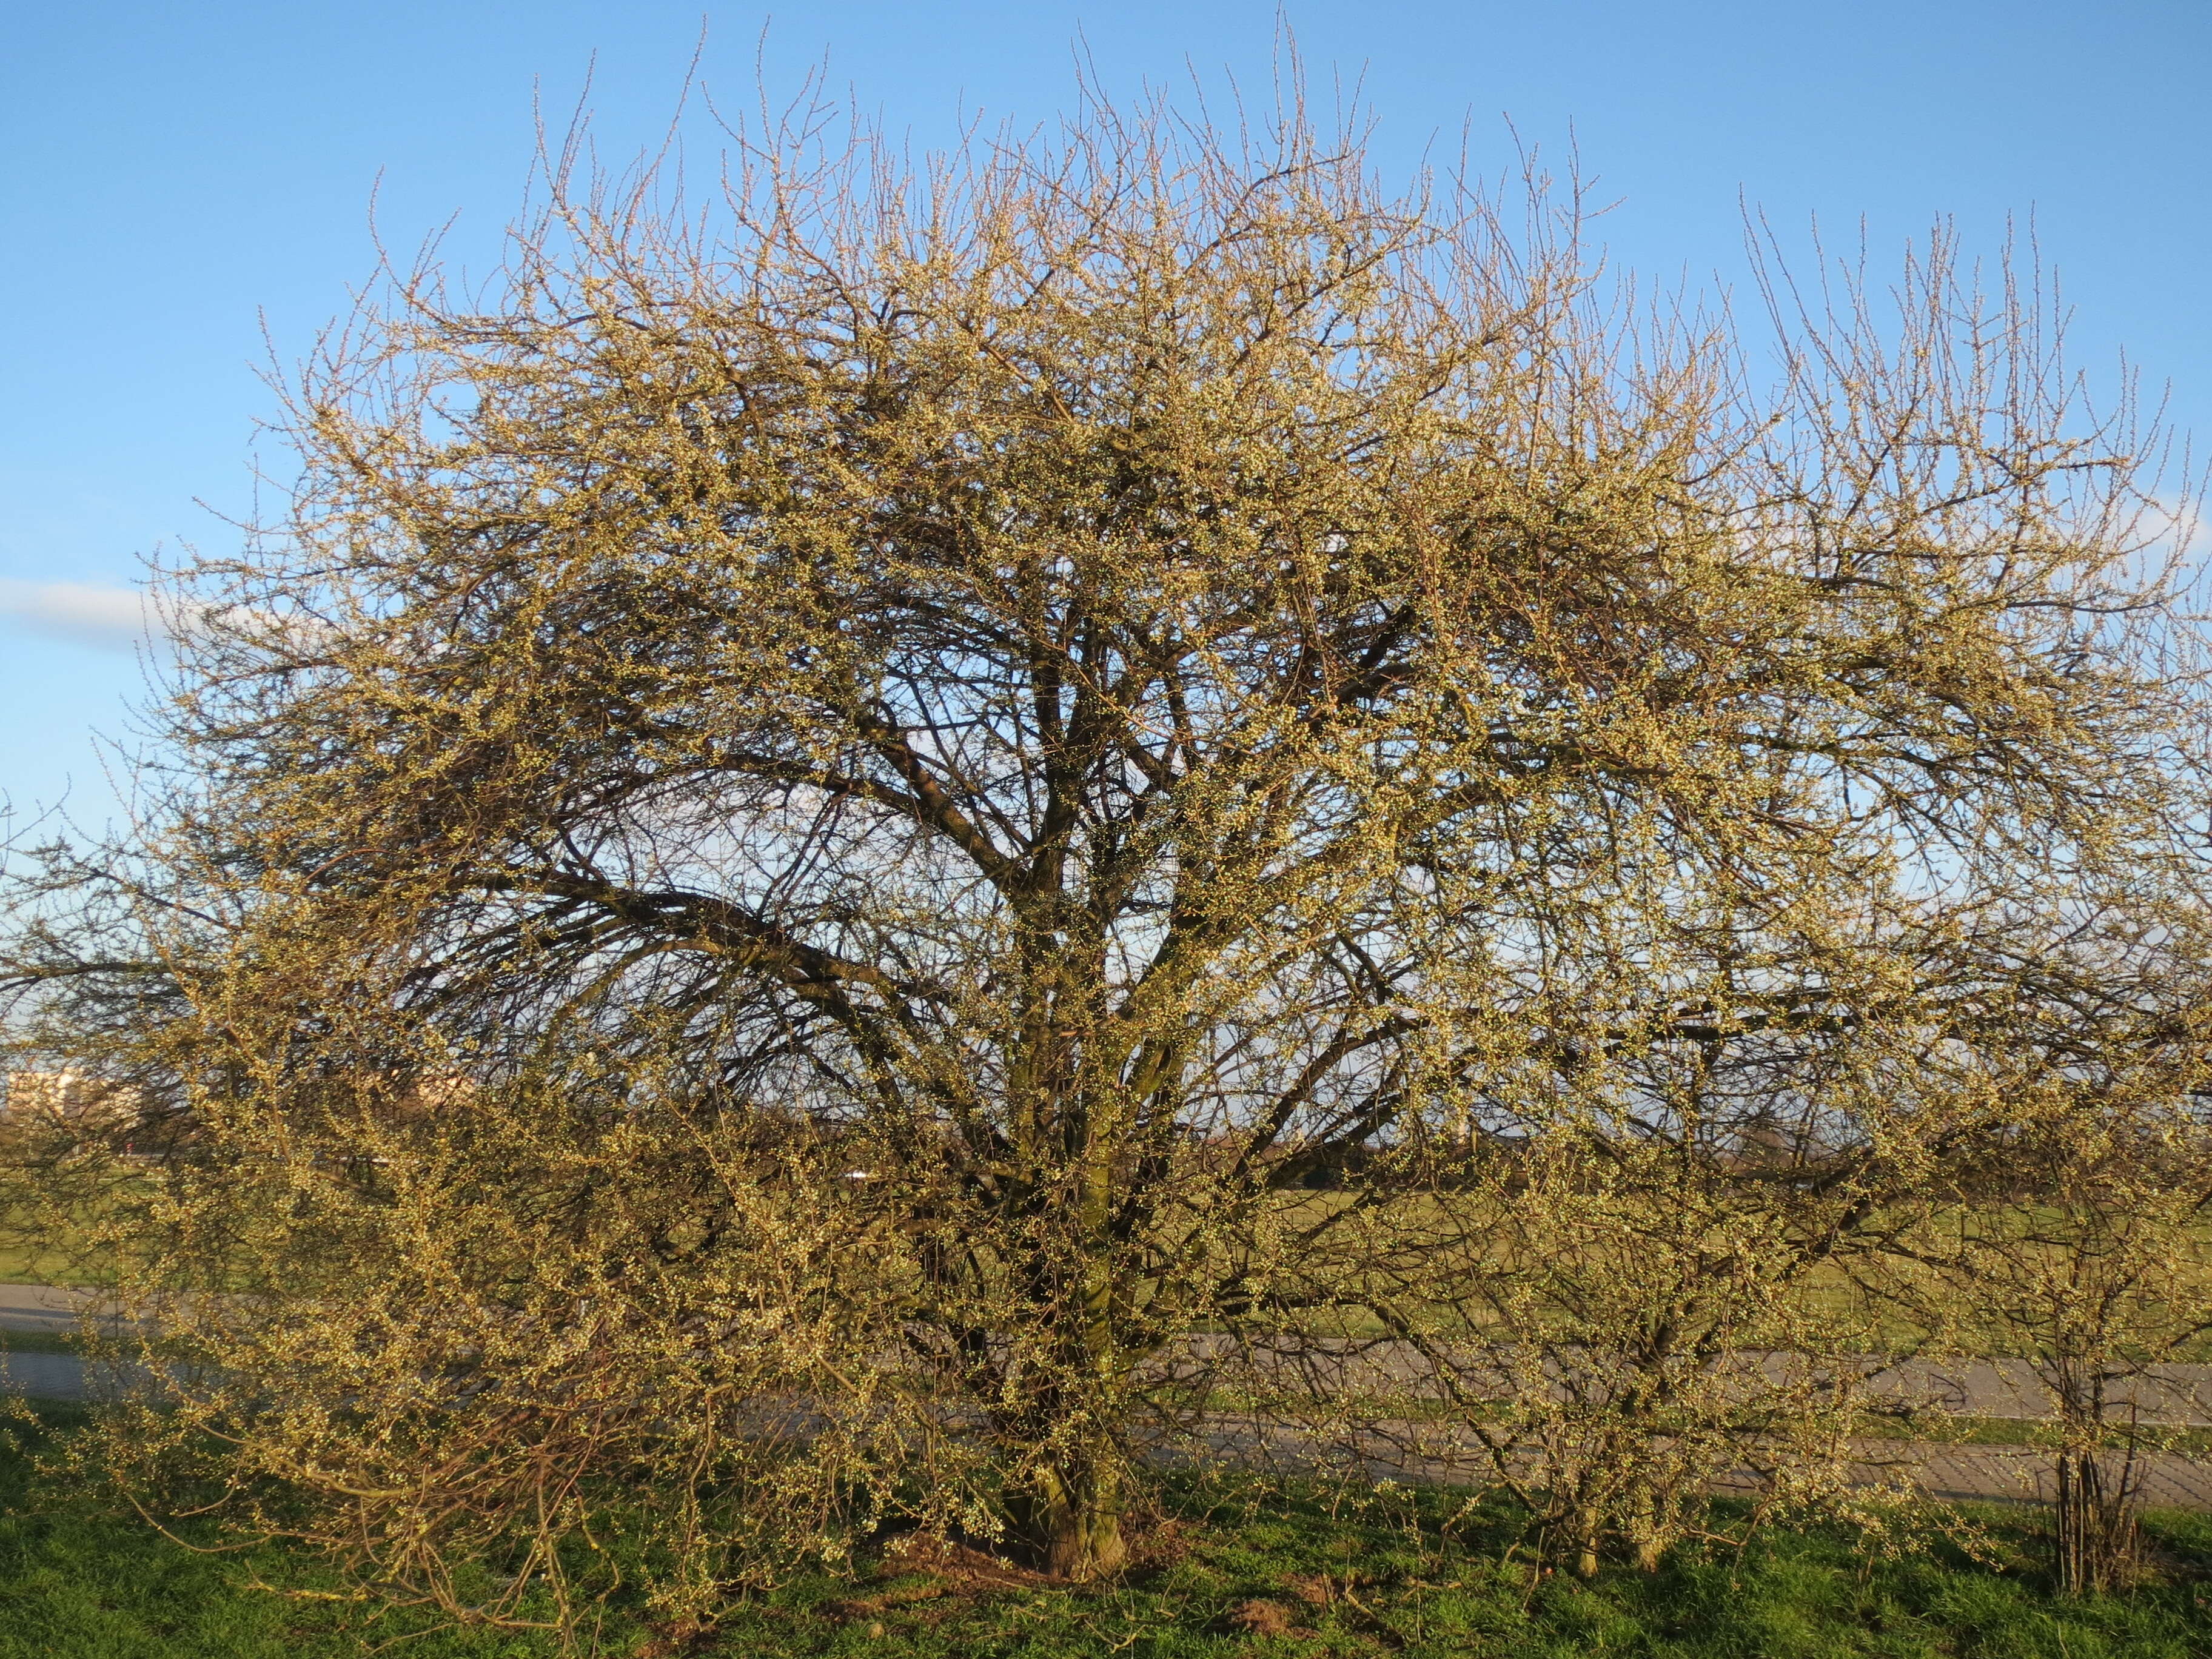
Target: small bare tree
{"x":1622,"y":1300}
{"x":1643,"y":1262}
{"x":2074,"y":1243}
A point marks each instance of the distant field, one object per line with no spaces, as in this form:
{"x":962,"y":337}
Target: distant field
{"x":39,"y":1250}
{"x":1827,"y":1290}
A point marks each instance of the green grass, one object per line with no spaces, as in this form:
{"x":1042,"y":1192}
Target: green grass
{"x":1407,"y":1574}
{"x":24,"y":1263}
{"x":80,"y":1581}
{"x":1393,"y":1587}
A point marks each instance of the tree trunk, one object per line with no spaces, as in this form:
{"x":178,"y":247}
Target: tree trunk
{"x":2096,"y":1522}
{"x":1585,"y":1535}
{"x":1071,"y":1518}
{"x":1076,"y":1495}
{"x":1644,"y":1531}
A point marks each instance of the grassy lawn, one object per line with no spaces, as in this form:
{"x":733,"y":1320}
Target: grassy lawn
{"x":1226,"y":1568}
{"x":1283,"y":1579}
{"x":79,"y":1581}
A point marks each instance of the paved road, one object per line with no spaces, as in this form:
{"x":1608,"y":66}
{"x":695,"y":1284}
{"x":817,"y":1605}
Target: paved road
{"x":2023,"y":1473}
{"x":1995,"y":1389}
{"x":40,"y":1308}
{"x":2169,"y":1394}
{"x":1427,"y":1455}
{"x":43,"y":1375}
{"x":2172,"y":1395}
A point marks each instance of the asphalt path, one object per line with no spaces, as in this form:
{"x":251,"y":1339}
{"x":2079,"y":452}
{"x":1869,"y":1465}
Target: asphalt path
{"x":1428,"y":1455}
{"x":2002,"y":1389}
{"x":40,"y":1308}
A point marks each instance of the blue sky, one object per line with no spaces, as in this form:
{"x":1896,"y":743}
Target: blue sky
{"x":186,"y":193}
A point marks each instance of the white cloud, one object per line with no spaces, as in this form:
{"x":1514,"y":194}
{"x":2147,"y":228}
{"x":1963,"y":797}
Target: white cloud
{"x":111,"y":618}
{"x":2175,"y":525}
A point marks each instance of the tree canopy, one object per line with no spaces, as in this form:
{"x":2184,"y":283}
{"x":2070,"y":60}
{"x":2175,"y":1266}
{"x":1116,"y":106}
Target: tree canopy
{"x":964,"y":771}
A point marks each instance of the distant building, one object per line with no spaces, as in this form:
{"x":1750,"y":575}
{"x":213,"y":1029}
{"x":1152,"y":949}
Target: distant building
{"x":76,"y":1099}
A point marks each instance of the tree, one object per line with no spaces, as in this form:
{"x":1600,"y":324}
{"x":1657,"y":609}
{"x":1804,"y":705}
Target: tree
{"x":2073,"y":1241}
{"x":1679,"y":1262}
{"x":1088,"y":696}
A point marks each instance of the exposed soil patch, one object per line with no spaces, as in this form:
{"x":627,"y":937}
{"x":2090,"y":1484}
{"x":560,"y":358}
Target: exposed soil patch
{"x":1262,"y":1618}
